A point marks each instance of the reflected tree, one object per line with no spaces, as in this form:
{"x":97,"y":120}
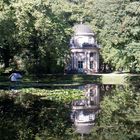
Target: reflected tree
{"x":119,"y":118}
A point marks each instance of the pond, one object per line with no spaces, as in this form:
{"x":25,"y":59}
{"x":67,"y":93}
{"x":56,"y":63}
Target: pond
{"x":87,"y":112}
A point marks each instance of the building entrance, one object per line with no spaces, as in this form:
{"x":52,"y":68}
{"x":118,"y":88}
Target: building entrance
{"x":80,"y":66}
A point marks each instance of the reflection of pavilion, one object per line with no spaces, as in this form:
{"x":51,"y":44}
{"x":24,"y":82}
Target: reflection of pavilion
{"x":84,"y":111}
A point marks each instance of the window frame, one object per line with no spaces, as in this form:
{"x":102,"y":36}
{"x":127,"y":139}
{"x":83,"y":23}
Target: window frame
{"x":80,"y":64}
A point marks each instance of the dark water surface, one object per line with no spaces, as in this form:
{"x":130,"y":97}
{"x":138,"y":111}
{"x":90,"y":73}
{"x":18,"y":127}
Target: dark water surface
{"x":105,"y":112}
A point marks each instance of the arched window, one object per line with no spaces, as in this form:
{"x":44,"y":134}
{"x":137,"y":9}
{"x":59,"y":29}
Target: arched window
{"x":93,"y":54}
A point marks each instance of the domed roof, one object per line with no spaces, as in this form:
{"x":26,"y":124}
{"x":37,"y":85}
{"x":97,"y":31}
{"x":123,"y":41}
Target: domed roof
{"x":80,"y":29}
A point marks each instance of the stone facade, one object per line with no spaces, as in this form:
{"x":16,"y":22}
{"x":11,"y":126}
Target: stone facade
{"x":84,"y":51}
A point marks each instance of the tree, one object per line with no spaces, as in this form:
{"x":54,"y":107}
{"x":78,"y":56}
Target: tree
{"x":118,"y":28}
{"x":40,"y":34}
{"x":8,"y":40}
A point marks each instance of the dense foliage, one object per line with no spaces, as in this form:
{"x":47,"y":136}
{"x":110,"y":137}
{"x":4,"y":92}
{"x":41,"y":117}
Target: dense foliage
{"x":33,"y":37}
{"x":117,"y":24}
{"x":34,"y":34}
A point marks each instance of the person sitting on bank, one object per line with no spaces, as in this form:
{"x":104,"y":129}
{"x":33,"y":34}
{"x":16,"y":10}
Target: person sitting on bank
{"x":15,"y":78}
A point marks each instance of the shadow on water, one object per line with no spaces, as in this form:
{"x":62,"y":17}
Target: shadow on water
{"x":28,"y":117}
{"x":104,"y":112}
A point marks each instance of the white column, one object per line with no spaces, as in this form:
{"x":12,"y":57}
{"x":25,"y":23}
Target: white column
{"x":75,"y":61}
{"x":85,"y":61}
{"x":97,"y":61}
{"x":72,"y":61}
{"x":88,"y":59}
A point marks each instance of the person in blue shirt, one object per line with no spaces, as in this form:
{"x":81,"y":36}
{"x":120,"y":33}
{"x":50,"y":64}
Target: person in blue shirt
{"x":15,"y":78}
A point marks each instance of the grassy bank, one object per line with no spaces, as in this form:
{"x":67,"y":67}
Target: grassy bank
{"x":76,"y":79}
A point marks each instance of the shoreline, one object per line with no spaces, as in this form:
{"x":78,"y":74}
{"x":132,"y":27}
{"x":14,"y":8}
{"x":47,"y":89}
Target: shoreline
{"x":55,"y":80}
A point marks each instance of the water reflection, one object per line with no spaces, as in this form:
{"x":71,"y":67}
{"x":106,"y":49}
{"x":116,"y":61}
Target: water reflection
{"x":84,"y":111}
{"x":31,"y":116}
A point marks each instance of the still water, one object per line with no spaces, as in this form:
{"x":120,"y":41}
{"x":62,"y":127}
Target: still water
{"x":104,"y":112}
